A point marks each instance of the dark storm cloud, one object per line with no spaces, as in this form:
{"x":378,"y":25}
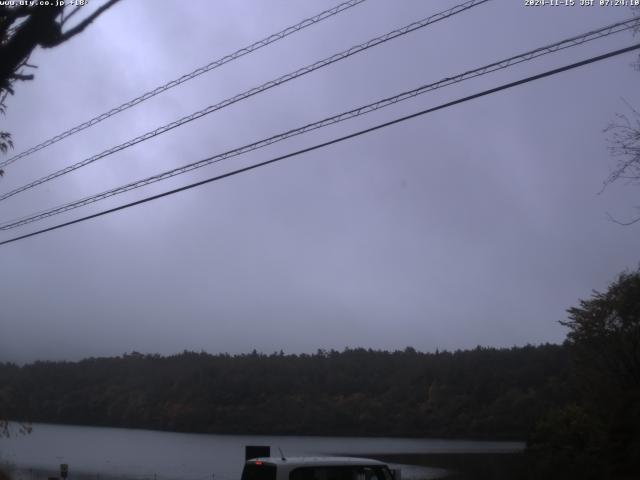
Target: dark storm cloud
{"x":479,"y":224}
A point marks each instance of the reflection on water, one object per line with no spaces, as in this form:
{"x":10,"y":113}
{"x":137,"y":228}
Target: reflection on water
{"x":115,"y":452}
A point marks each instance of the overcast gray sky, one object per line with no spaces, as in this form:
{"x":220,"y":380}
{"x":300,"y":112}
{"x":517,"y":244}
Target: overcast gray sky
{"x":476,"y":225}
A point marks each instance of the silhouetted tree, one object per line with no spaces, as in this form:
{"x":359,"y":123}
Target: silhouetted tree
{"x":597,"y":434}
{"x":605,"y":338}
{"x":25,"y":27}
{"x":485,"y":392}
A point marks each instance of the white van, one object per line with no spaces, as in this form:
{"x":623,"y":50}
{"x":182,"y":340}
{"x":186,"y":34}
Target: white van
{"x":315,"y":468}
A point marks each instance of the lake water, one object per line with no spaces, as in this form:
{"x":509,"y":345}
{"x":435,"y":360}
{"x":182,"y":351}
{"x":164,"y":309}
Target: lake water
{"x":143,"y":454}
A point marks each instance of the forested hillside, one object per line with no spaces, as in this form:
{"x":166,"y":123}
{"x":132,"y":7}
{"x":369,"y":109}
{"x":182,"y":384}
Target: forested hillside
{"x":486,"y":392}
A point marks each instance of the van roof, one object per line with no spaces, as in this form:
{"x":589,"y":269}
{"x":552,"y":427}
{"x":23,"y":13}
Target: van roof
{"x":315,"y":461}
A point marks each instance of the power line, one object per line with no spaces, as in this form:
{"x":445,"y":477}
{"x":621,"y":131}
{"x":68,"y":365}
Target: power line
{"x":331,"y":142}
{"x":189,"y":76}
{"x":249,"y":93}
{"x":502,"y":64}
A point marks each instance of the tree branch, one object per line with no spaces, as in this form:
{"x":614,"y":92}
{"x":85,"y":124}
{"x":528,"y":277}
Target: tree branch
{"x":71,"y":14}
{"x":626,"y":224}
{"x":82,"y":25}
{"x":20,"y":76}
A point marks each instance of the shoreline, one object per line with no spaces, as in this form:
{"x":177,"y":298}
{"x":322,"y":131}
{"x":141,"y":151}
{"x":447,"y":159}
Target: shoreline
{"x":470,"y":438}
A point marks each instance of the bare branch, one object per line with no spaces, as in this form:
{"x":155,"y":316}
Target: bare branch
{"x":20,"y":76}
{"x":71,"y":14}
{"x":626,"y":224}
{"x":82,"y":25}
{"x":624,"y":142}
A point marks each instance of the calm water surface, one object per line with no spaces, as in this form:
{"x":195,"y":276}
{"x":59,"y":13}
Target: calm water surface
{"x":119,"y":452}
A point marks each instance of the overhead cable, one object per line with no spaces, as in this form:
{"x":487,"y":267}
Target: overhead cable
{"x":249,"y":93}
{"x":330,"y":142}
{"x":362,"y":110}
{"x":189,"y":76}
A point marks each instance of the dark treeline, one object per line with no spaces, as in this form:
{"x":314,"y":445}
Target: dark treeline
{"x":485,"y":392}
